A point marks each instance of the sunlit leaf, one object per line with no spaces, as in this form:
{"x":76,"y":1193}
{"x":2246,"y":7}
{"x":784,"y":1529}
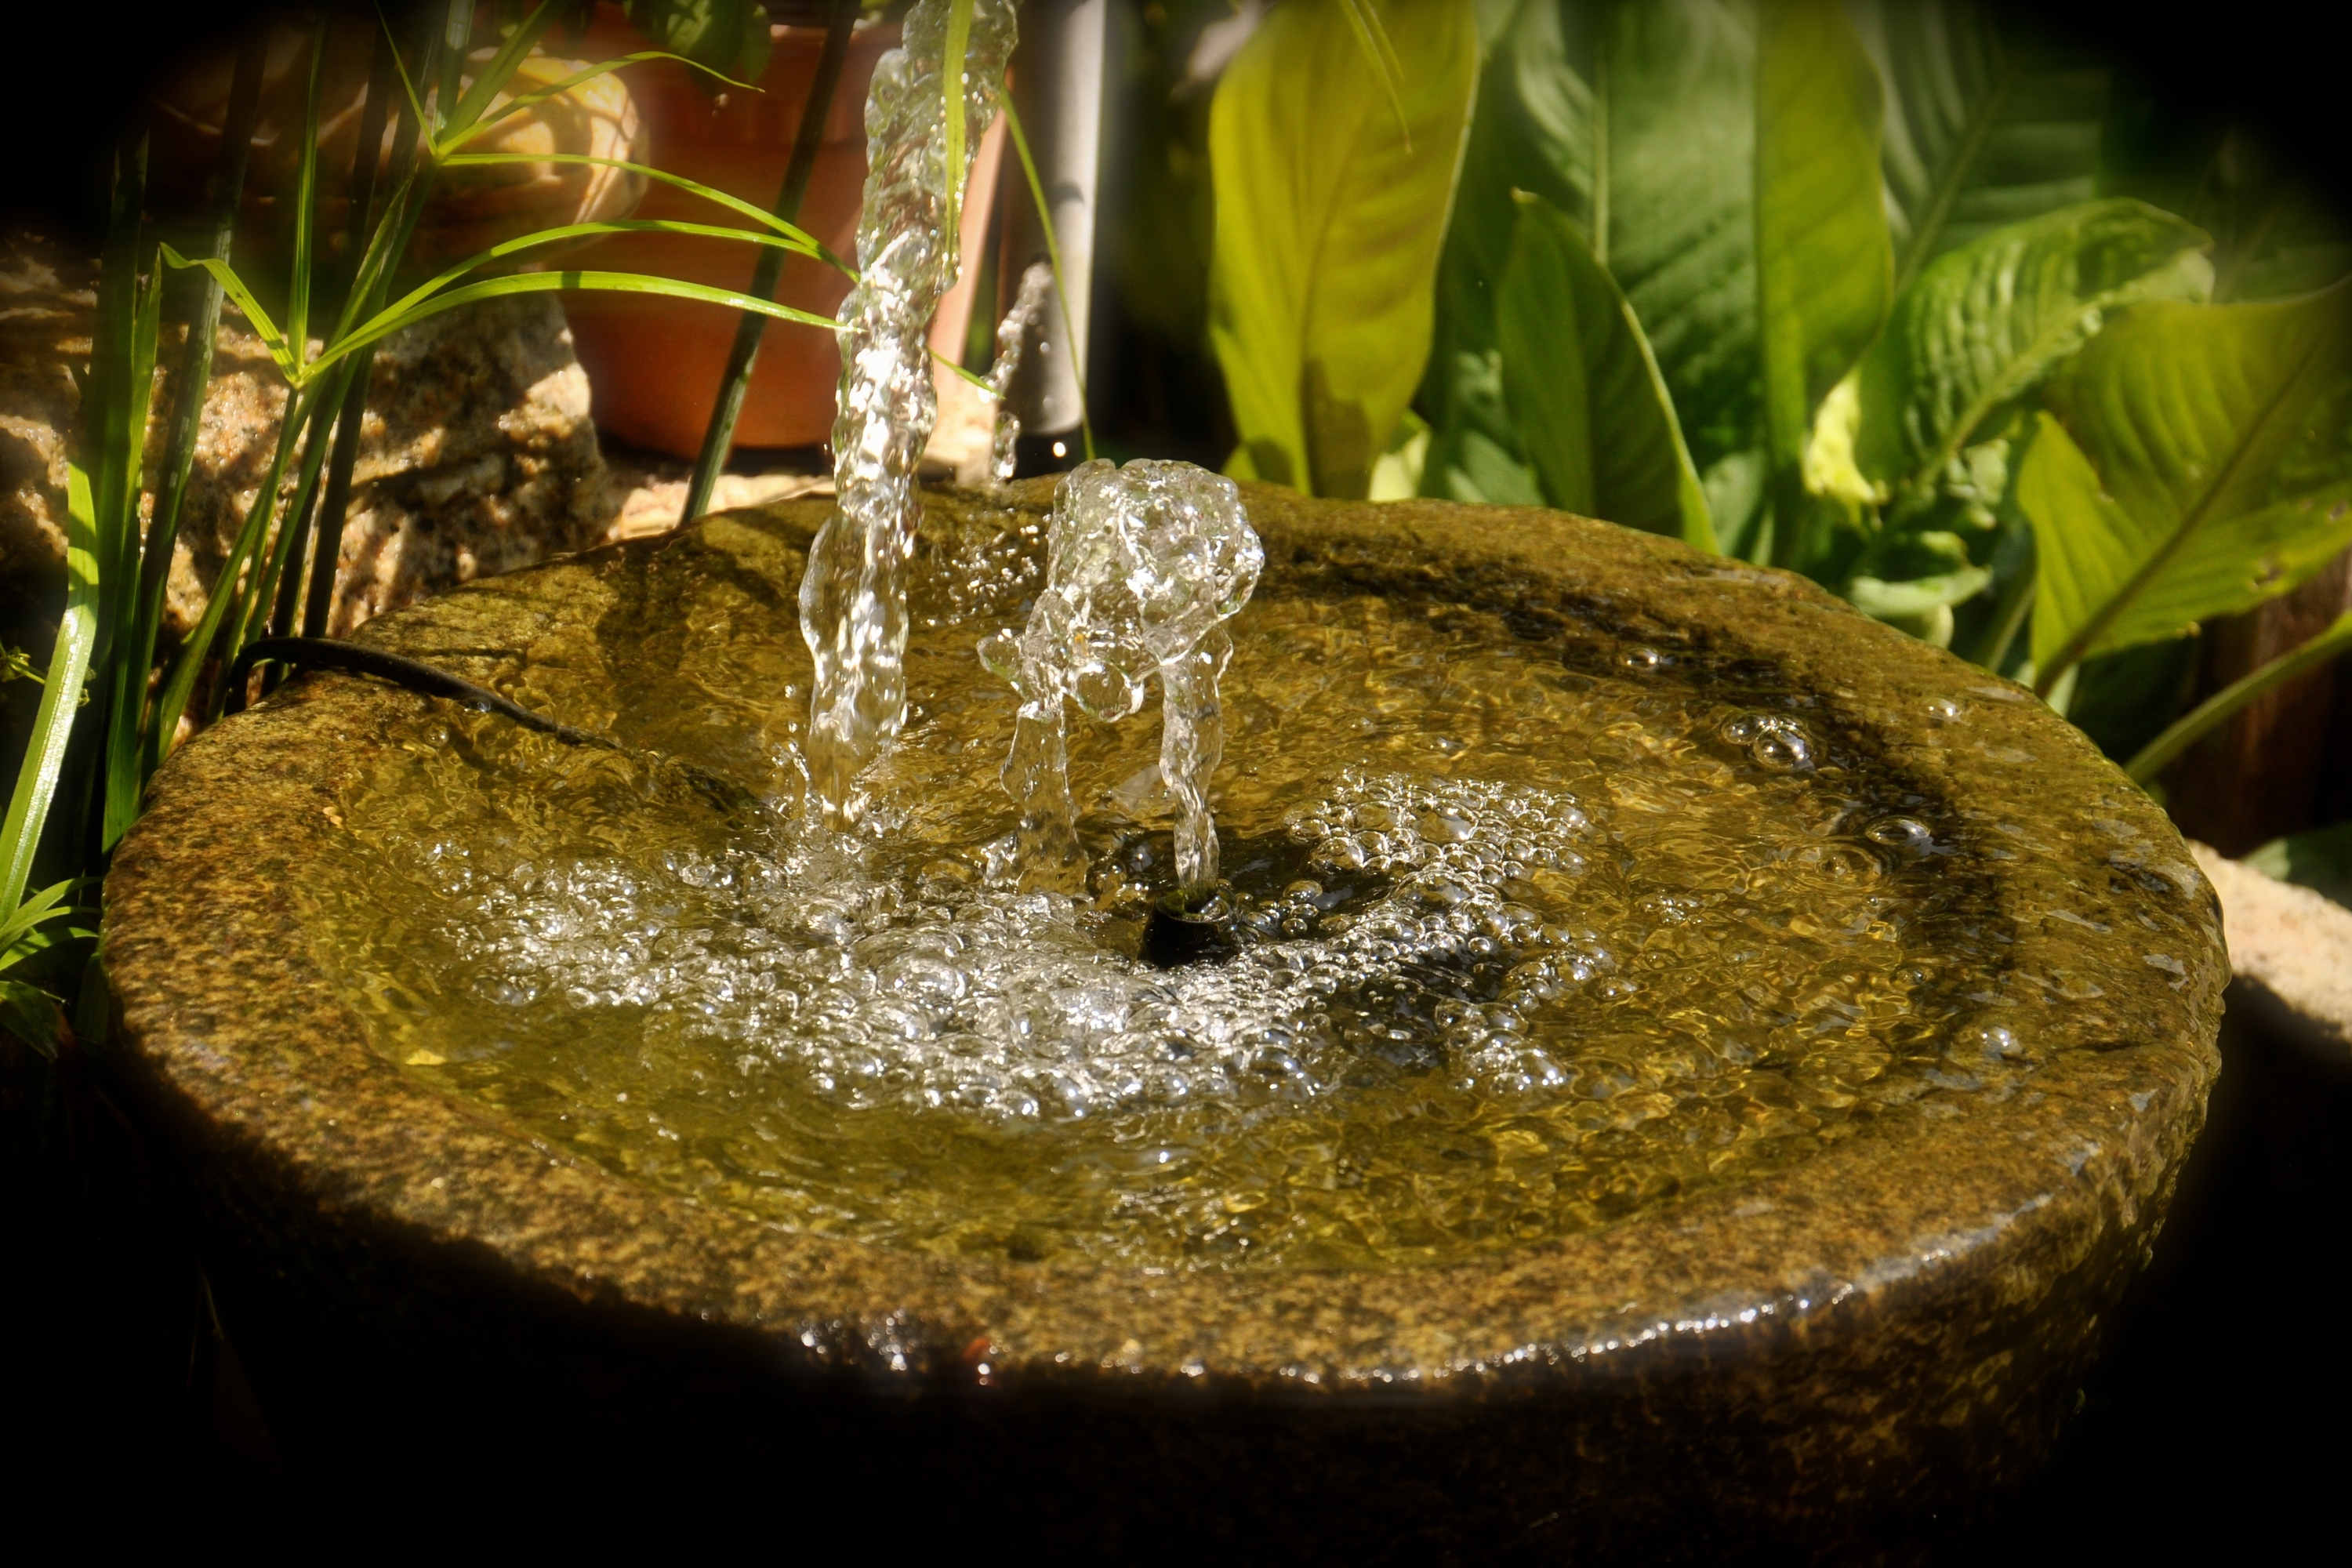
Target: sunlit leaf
{"x":1988,"y":123}
{"x":2192,"y":465}
{"x":1585,"y":392}
{"x":1986,"y":322}
{"x":1825,"y":264}
{"x":1328,"y":231}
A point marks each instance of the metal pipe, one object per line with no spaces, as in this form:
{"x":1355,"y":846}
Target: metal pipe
{"x":1058,"y":88}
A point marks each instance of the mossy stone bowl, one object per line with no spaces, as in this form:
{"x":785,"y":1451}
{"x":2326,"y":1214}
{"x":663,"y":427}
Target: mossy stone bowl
{"x":1816,"y":1361}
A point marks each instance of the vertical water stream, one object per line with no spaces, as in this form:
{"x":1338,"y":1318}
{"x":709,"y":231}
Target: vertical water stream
{"x":854,"y":595}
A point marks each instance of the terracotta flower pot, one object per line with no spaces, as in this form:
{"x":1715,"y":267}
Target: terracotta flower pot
{"x":471,"y":208}
{"x":656,"y":364}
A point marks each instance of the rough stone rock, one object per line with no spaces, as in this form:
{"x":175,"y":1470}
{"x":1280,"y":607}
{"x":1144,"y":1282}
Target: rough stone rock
{"x":477,"y":455}
{"x":2295,"y":945}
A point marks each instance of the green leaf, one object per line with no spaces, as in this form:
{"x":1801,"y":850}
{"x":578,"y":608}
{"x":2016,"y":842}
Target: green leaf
{"x":1674,"y":205}
{"x":387,"y":323}
{"x":32,"y":1015}
{"x":1328,"y":231}
{"x":725,"y":37}
{"x":758,"y":215}
{"x":1585,"y":391}
{"x":45,"y":755}
{"x":1530,"y":131}
{"x":2320,"y":859}
{"x":306,"y":197}
{"x":952,"y":73}
{"x":2192,"y":465}
{"x":38,"y":910}
{"x":1986,"y":322}
{"x":492,"y":78}
{"x":1987,"y":124}
{"x":272,"y":340}
{"x":2223,"y":705}
{"x":1825,"y":260}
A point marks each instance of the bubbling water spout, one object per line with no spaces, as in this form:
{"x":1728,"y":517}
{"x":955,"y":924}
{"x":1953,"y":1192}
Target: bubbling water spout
{"x":1144,"y":566}
{"x":854,"y":594}
{"x":1012,"y":340}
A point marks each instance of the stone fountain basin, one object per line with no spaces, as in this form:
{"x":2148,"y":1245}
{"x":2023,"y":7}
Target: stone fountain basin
{"x":1816,"y":1361}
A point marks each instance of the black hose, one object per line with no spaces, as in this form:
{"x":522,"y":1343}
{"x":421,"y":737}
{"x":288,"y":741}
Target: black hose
{"x":414,"y":675}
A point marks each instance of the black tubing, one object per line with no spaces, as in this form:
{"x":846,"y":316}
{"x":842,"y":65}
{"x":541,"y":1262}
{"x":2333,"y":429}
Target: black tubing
{"x":414,"y":675}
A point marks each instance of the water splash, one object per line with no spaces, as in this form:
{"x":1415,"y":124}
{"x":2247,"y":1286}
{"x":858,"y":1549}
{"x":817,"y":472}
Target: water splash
{"x":1012,"y":340}
{"x":854,"y":596}
{"x":1145,"y":564}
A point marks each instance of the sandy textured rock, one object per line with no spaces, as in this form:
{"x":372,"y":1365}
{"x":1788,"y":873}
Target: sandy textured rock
{"x":477,"y":455}
{"x":2290,"y":942}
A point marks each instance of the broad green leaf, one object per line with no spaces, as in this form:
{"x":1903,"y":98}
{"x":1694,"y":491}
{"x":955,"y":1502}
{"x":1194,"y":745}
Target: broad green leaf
{"x":1592,"y":410}
{"x":1530,"y":131}
{"x":53,"y":722}
{"x":1328,"y":231}
{"x":1674,"y":202}
{"x":1984,"y":323}
{"x":1824,"y":261}
{"x":2192,"y":465}
{"x":1987,"y":124}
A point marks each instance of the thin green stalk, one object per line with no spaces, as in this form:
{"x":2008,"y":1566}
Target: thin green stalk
{"x":952,"y":49}
{"x":305,"y":198}
{"x":125,"y":775}
{"x":1054,"y":259}
{"x":718,"y":438}
{"x":2225,"y":704}
{"x":189,"y":663}
{"x":329,"y":530}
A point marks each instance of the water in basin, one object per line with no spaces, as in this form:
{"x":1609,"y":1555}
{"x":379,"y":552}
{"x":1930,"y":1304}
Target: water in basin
{"x":1538,"y":925}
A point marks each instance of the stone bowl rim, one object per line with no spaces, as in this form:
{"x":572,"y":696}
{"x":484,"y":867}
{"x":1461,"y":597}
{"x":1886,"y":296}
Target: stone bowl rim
{"x":275,"y":1076}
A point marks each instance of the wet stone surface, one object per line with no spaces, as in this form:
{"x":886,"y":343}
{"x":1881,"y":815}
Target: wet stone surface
{"x":1538,"y":925}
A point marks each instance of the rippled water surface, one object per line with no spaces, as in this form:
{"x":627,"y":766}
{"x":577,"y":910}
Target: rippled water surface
{"x":1539,"y":925}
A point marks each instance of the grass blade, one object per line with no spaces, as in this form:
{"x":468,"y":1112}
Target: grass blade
{"x":1054,"y":257}
{"x":125,"y":771}
{"x":494,"y":76}
{"x":45,"y":756}
{"x":272,"y":339}
{"x":733,"y":204}
{"x":555,"y":282}
{"x":306,"y":201}
{"x":426,"y":289}
{"x":2224,"y":705}
{"x":189,"y":663}
{"x":523,"y":101}
{"x":952,"y":53}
